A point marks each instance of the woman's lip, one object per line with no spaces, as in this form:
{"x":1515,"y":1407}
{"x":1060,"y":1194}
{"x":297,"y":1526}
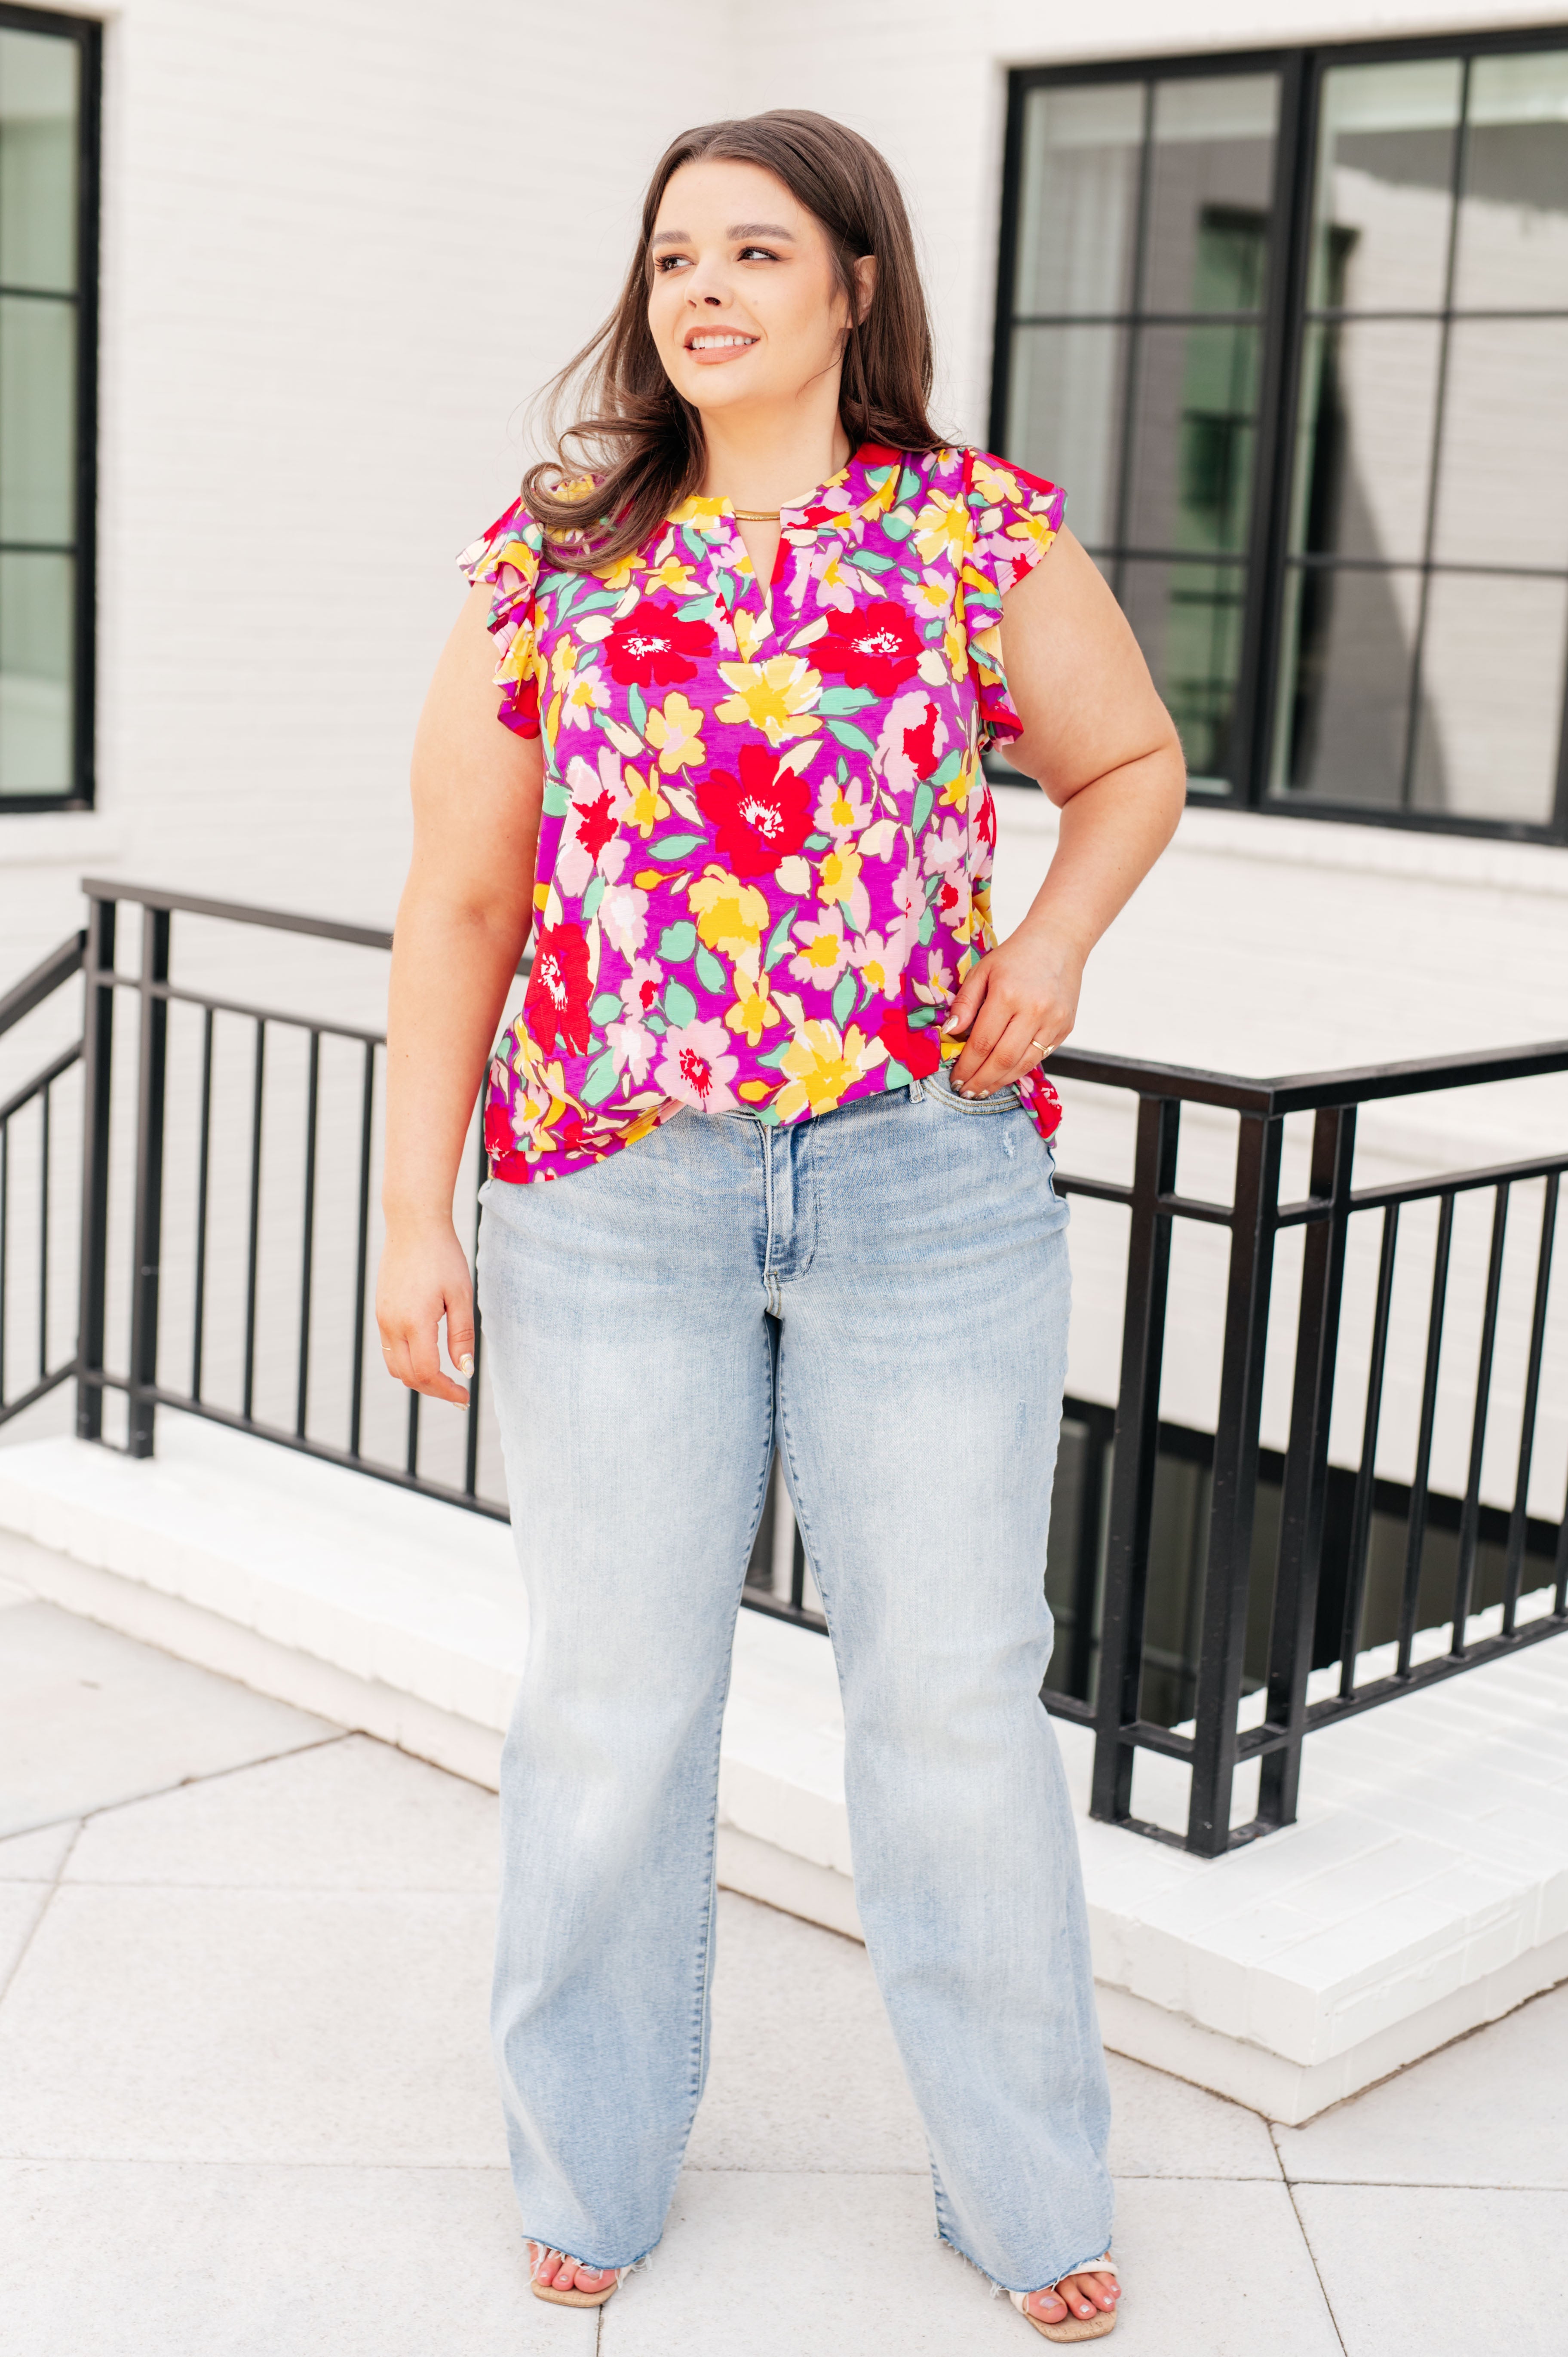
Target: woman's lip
{"x":721,"y":351}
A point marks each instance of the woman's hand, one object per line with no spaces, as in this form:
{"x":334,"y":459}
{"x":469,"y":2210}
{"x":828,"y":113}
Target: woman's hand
{"x":423,"y":1278}
{"x":1015,"y":1005}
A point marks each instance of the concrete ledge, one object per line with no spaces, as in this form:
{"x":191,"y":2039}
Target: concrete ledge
{"x":1423,"y":1892}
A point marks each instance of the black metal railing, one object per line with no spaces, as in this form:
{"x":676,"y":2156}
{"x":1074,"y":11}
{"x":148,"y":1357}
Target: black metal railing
{"x":1287,"y":1566}
{"x":35,"y":1098}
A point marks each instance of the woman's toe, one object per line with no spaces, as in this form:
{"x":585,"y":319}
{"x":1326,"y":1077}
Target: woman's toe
{"x":1049,"y":2306}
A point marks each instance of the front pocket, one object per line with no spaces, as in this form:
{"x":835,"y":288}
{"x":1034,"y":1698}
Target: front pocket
{"x":1006,"y":1100}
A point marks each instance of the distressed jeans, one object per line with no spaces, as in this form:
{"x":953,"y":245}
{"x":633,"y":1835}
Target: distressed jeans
{"x":882,"y":1294}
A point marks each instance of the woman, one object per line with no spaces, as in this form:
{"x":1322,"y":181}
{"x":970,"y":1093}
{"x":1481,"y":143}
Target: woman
{"x":769,"y":1167}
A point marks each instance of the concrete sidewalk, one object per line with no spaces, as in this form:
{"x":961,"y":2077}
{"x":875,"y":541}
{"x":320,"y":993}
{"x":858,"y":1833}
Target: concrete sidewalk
{"x":245,"y":2098}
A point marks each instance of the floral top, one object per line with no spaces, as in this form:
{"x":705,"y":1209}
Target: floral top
{"x":762,"y":868}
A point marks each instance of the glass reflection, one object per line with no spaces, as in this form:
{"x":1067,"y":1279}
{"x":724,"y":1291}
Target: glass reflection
{"x":1064,"y":413}
{"x":1503,"y":491}
{"x":1513,"y":214}
{"x":1211,"y":169}
{"x":1188,"y":622}
{"x":1079,"y":202}
{"x":1194,"y":438}
{"x":1344,"y":685}
{"x":1368,"y":413}
{"x":1385,"y":178}
{"x":1490,"y":714}
{"x":37,"y":419}
{"x":37,"y":161}
{"x":35,"y":675}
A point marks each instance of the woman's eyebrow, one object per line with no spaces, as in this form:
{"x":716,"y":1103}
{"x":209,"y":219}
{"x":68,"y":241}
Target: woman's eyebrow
{"x":737,"y":229}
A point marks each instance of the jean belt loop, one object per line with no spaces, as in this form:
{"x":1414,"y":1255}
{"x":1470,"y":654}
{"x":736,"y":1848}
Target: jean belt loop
{"x":917,"y":1090}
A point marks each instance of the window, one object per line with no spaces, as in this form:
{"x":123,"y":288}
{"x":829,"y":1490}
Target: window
{"x":49,"y":229}
{"x":1293,"y":331}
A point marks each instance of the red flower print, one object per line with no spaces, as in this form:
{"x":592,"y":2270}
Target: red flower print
{"x":874,"y":646}
{"x":920,"y":1052}
{"x":762,"y":819}
{"x":921,"y":744}
{"x":498,"y":1138}
{"x":558,"y":991}
{"x":594,"y":824}
{"x":654,"y":644}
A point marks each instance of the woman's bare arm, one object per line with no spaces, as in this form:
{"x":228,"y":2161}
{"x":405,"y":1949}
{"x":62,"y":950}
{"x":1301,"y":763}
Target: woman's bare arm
{"x":461,"y":927}
{"x":1103,"y":747}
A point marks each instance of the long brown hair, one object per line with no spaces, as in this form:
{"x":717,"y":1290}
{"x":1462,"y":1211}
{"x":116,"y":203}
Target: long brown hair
{"x":639,"y":438}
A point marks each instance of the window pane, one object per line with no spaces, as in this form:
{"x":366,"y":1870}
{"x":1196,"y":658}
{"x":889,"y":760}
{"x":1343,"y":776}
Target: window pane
{"x":1080,"y":199}
{"x":1504,"y":473}
{"x":38,"y":160}
{"x":1211,"y":180}
{"x":1064,"y":414}
{"x":1194,"y":438}
{"x":38,"y":418}
{"x":1385,"y":171}
{"x":1188,"y":622}
{"x":1345,"y":685}
{"x":1367,"y":415}
{"x":1491,"y":703}
{"x":1513,"y":218}
{"x":35,"y":675}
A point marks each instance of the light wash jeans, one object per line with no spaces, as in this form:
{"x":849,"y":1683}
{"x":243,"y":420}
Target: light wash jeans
{"x":883,"y":1293}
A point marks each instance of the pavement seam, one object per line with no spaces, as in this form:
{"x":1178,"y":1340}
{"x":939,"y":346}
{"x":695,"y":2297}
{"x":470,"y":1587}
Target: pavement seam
{"x":161,"y":1791}
{"x":1306,"y":2244}
{"x":22,"y":1952}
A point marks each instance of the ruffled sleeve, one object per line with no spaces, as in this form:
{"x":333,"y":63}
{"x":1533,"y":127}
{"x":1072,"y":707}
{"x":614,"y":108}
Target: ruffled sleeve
{"x":1013,"y":520}
{"x":508,"y":558}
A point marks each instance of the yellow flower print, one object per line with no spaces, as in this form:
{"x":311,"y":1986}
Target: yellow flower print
{"x":754,"y":1010}
{"x":820,"y":1065}
{"x":730,"y":917}
{"x":563,"y":663}
{"x":618,"y":576}
{"x":931,"y":596}
{"x":993,"y":485}
{"x":942,"y":528}
{"x":587,"y":694}
{"x":838,"y":876}
{"x":673,"y":575}
{"x":648,"y":805}
{"x":750,"y":630}
{"x":958,"y":789}
{"x":676,"y":731}
{"x":775,"y":697}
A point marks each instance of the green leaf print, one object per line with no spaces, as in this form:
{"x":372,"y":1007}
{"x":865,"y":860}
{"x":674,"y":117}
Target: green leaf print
{"x":894,"y":1076}
{"x":676,"y":942}
{"x":557,"y":798}
{"x":844,"y":1000}
{"x":679,"y":1004}
{"x":674,"y":846}
{"x":592,"y":896}
{"x":604,"y":1008}
{"x":601,"y":1079}
{"x":927,"y":926}
{"x":775,"y":1056}
{"x":948,"y":769}
{"x":637,"y":710}
{"x":710,"y":973}
{"x":848,"y":734}
{"x":779,"y":944}
{"x":697,"y":609}
{"x":898,"y":523}
{"x":844,"y":699}
{"x":878,"y":564}
{"x":654,"y":1022}
{"x":924,"y":798}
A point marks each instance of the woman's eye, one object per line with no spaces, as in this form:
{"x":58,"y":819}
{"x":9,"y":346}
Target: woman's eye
{"x":668,"y":261}
{"x":757,"y":253}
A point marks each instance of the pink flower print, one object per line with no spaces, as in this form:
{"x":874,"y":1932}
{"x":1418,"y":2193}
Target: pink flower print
{"x":880,"y":962}
{"x":589,"y":826}
{"x":911,"y":740}
{"x":842,"y":810}
{"x":695,"y":1069}
{"x":946,"y":848}
{"x":910,"y":894}
{"x":632,"y":1046}
{"x":640,"y":991}
{"x":824,"y":952}
{"x":937,"y":988}
{"x":623,"y":915}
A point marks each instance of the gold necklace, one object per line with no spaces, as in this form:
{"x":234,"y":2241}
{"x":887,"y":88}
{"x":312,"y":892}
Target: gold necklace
{"x":756,"y":515}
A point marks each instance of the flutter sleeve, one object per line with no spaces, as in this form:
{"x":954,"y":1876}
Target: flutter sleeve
{"x":1013,"y":519}
{"x":508,"y":558}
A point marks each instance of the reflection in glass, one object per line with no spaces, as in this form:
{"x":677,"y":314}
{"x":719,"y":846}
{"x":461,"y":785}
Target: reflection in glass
{"x":1189,"y":620}
{"x":38,"y":160}
{"x":1385,"y":174}
{"x":1194,"y":438}
{"x":1345,"y":685}
{"x":38,"y":418}
{"x":1079,"y":198}
{"x":1503,"y":473}
{"x":1513,"y":214}
{"x":1364,"y":426}
{"x":1212,"y":170}
{"x":1492,"y":705}
{"x":35,"y":675}
{"x":1064,"y":413}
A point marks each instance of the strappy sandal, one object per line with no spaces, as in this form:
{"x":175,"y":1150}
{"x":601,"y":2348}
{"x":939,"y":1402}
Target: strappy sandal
{"x":1072,"y":2327}
{"x":568,"y":2299}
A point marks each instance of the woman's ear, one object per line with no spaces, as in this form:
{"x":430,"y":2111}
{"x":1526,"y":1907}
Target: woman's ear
{"x":865,"y":286}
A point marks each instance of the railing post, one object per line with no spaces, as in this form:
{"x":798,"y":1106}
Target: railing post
{"x":1235,"y":1488}
{"x":1306,"y":1462}
{"x":148,"y":1226}
{"x":97,"y":1057}
{"x":1134,"y":1451}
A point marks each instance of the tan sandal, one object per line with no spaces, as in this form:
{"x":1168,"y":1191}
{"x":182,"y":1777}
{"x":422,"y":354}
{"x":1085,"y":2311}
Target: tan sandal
{"x":568,"y":2299}
{"x":1072,"y":2327}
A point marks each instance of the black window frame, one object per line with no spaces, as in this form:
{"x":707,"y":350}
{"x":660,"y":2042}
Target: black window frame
{"x":87,"y":34}
{"x":1301,"y":71}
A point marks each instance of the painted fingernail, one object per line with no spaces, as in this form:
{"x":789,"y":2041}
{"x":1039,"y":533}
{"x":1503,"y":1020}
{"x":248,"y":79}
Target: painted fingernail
{"x":465,"y":1366}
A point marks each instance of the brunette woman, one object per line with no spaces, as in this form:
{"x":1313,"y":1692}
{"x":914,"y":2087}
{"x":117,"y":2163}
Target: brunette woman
{"x":771,"y":1169}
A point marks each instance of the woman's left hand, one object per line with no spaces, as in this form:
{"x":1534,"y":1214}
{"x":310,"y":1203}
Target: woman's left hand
{"x":1016,"y":1005}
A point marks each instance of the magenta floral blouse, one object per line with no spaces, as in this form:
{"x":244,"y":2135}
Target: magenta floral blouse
{"x":763,"y":866}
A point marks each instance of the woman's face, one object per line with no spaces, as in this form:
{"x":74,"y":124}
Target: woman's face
{"x":744,"y":303}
